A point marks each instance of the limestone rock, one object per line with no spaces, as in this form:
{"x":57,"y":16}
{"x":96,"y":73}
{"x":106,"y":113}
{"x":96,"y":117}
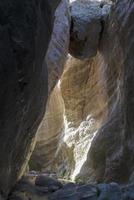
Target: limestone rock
{"x":82,"y":89}
{"x":24,"y":190}
{"x":25,"y":31}
{"x":51,"y":183}
{"x":110,"y":98}
{"x":58,"y":47}
{"x":110,"y":191}
{"x":86,"y":27}
{"x":48,"y":134}
{"x":85,"y":108}
{"x":111,"y":156}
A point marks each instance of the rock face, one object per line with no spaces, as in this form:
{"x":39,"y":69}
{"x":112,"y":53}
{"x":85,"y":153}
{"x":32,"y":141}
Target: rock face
{"x":82,"y":90}
{"x":86,"y":27}
{"x":25,"y":31}
{"x":58,"y":48}
{"x":83,"y":94}
{"x":48,"y":134}
{"x":111,"y":156}
{"x":85,"y":108}
{"x":53,"y":123}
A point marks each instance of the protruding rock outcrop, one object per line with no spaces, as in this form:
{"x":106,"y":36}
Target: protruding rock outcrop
{"x":86,"y":27}
{"x":25,"y":31}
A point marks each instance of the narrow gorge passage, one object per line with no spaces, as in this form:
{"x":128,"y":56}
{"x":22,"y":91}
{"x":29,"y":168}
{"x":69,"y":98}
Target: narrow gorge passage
{"x":66,"y":100}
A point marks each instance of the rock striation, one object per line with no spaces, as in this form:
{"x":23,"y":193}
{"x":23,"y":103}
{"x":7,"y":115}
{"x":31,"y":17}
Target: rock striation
{"x":86,"y":27}
{"x":85,"y":104}
{"x":49,"y":133}
{"x":59,"y":44}
{"x":25,"y":31}
{"x":97,"y":94}
{"x":111,"y":155}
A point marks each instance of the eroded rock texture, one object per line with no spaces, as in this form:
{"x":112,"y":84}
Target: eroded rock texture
{"x":86,"y":27}
{"x":85,"y":108}
{"x":48,"y":134}
{"x":111,"y":156}
{"x":25,"y":31}
{"x":58,"y":48}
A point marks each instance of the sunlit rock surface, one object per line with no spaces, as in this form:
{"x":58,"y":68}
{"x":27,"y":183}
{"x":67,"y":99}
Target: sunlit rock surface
{"x":85,"y":108}
{"x":48,"y":134}
{"x":52,"y":126}
{"x":110,"y":156}
{"x":97,"y":141}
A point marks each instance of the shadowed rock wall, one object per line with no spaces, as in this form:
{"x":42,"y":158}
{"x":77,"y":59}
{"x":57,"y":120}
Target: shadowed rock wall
{"x":25,"y":31}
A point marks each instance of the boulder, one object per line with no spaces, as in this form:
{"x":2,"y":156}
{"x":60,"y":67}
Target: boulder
{"x":48,"y":182}
{"x":86,"y":28}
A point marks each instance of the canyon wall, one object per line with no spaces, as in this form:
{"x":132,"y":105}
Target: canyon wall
{"x":48,"y":135}
{"x":111,"y":155}
{"x":85,"y":108}
{"x":83,"y":89}
{"x":95,"y":141}
{"x":100,"y":89}
{"x":25,"y":31}
{"x":53,"y":123}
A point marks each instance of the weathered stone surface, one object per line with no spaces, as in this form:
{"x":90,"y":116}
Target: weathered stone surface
{"x":48,"y":134}
{"x":111,"y":155}
{"x":24,"y":190}
{"x":25,"y":31}
{"x":82,"y":89}
{"x":110,"y":191}
{"x":58,"y":48}
{"x":48,"y":182}
{"x":85,"y":106}
{"x":86,"y":27}
{"x":53,"y":123}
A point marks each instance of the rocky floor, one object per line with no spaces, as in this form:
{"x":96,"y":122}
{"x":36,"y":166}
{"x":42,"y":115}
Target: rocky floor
{"x":43,"y":187}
